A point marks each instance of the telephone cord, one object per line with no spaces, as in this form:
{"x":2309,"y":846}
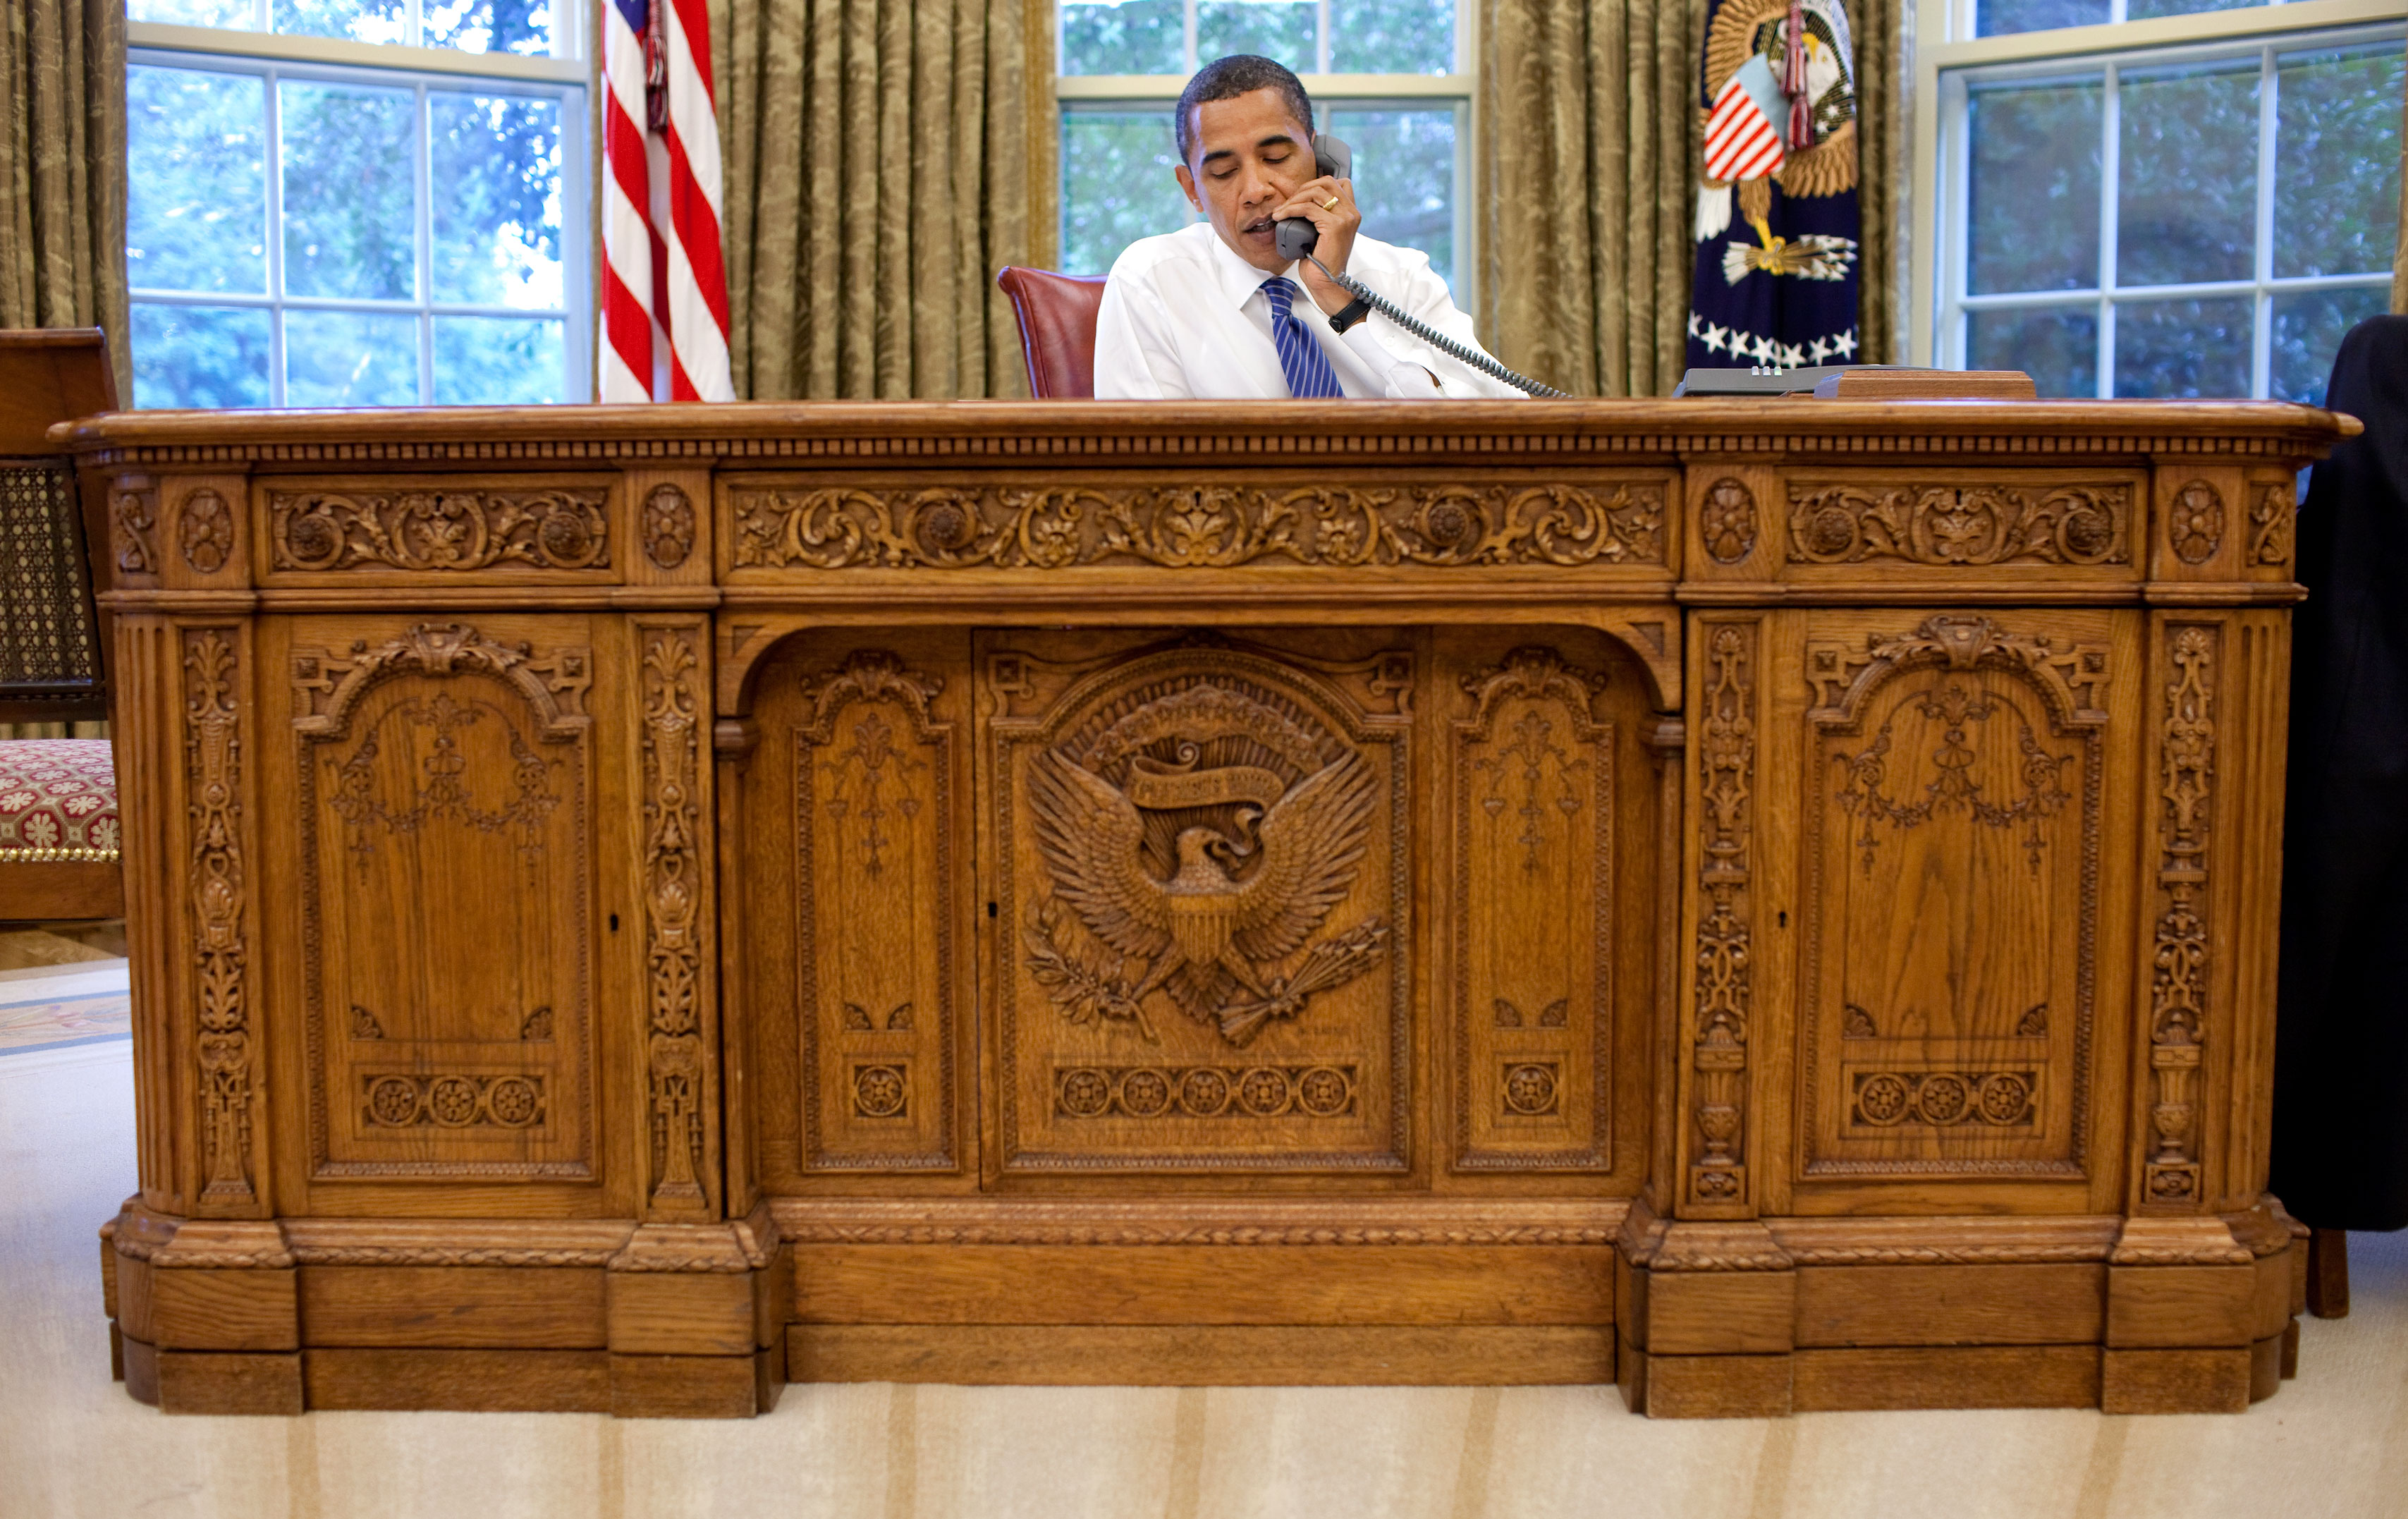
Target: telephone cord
{"x":1444,"y":344}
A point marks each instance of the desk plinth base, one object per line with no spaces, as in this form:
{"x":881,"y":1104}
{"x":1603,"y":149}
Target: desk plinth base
{"x":1692,"y":1320}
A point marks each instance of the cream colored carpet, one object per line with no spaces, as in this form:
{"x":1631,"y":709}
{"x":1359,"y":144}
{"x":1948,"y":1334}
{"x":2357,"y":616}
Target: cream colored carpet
{"x":2333,"y":1443}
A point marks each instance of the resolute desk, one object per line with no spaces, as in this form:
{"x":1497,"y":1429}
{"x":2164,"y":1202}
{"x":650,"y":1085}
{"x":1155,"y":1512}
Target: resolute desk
{"x":1769,"y":902}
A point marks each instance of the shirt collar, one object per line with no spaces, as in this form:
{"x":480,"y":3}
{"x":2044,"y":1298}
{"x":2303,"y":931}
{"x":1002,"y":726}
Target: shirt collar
{"x":1239,"y":280}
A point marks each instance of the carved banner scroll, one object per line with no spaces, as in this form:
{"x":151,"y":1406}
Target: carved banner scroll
{"x":1727,"y":819}
{"x":1200,"y":526}
{"x":2178,"y":981}
{"x":221,"y":941}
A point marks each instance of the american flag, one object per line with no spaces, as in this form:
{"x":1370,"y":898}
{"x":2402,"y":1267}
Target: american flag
{"x":1742,"y":142}
{"x":664,"y":283}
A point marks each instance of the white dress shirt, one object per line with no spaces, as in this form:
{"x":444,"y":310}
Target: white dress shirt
{"x":1185,"y":318}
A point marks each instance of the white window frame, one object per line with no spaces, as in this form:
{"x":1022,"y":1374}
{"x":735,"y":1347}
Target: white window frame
{"x":1946,"y":56}
{"x":566,"y":77}
{"x":1343,"y":92}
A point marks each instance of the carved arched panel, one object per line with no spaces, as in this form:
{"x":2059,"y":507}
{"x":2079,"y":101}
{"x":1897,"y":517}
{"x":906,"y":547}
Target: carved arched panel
{"x":1204,"y":940}
{"x":1954,"y":786}
{"x":1532,"y":910}
{"x":446,"y":862}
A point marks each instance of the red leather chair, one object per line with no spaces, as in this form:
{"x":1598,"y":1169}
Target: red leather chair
{"x":1057,"y":329}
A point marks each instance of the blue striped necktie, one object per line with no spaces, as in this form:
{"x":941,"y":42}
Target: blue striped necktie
{"x":1302,"y":360}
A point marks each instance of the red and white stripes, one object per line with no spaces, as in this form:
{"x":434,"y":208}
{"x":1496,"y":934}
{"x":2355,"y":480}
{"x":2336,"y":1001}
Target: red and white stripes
{"x":1742,"y":142}
{"x":664,"y":282}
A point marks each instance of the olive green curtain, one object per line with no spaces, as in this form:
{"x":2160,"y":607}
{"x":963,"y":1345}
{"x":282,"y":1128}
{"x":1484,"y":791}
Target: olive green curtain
{"x":1590,"y":142}
{"x":63,"y":169}
{"x":883,"y":159}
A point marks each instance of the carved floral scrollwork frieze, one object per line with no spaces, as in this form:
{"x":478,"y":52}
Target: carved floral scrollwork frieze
{"x":673,"y":884}
{"x":205,"y":531}
{"x":439,"y":530}
{"x":1726,"y":785}
{"x":1960,"y":524}
{"x":326,"y":686}
{"x":221,"y":944}
{"x":2178,"y":978}
{"x":1199,"y":528}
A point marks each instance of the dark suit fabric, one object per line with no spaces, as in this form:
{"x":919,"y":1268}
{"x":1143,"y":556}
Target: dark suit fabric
{"x":2341,"y":1074}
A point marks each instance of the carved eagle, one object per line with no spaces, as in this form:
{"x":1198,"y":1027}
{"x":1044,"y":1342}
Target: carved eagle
{"x":1203,"y":928}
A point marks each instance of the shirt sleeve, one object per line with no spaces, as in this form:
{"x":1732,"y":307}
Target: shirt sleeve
{"x":1135,"y":356}
{"x":1415,"y":369}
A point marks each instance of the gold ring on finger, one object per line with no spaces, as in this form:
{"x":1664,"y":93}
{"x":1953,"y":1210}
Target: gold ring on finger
{"x":1329,"y":205}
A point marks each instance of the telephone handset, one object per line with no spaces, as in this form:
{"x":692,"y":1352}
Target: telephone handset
{"x":1296,"y":238}
{"x":1331,"y":160}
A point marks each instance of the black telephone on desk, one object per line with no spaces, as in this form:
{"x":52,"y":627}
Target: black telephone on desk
{"x":1296,"y":238}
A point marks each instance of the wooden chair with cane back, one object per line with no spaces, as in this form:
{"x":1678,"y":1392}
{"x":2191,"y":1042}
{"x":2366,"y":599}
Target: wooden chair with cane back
{"x":58,"y":822}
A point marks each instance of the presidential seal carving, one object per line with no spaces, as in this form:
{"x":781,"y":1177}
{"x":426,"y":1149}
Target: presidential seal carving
{"x":1201,"y":834}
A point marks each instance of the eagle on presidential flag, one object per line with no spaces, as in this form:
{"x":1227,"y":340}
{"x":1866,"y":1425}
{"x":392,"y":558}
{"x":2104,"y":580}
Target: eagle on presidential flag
{"x":1777,"y":223}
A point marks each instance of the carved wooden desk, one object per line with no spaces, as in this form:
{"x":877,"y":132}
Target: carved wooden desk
{"x":1771,"y":903}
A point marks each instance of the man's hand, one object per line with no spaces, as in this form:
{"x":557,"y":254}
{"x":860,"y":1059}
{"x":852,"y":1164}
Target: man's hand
{"x":1336,"y":225}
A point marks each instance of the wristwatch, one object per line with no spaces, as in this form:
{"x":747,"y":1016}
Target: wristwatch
{"x":1355,"y":311}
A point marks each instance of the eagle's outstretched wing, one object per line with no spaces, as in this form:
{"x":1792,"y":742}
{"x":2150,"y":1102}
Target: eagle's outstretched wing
{"x":1090,"y":834}
{"x":1312,"y":841}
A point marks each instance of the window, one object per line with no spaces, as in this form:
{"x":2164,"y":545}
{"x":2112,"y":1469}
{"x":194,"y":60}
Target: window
{"x":1389,"y":77}
{"x":342,"y":203}
{"x":2203,"y":213}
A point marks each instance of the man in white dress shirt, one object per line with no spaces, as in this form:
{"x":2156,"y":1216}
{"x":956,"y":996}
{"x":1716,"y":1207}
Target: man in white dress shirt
{"x":1214,"y":312}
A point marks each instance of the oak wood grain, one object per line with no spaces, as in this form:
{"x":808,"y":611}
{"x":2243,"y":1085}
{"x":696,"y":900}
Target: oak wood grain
{"x":1189,"y":1355}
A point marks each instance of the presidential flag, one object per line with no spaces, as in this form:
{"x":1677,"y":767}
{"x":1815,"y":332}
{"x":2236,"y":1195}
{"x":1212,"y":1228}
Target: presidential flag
{"x":1777,"y":224}
{"x":664,"y":283}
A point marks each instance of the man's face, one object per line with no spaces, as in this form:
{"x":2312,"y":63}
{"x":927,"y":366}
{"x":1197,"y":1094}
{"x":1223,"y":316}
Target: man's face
{"x":1248,"y":158}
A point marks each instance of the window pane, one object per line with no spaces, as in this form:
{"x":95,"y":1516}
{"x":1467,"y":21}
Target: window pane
{"x":1116,"y":185}
{"x":2187,"y":203}
{"x":361,"y":21}
{"x":348,"y":198}
{"x":2308,"y":328}
{"x":2058,"y":346}
{"x":349,"y":358}
{"x":1280,"y":30}
{"x":497,"y":361}
{"x":2141,"y":10}
{"x":2183,"y":348}
{"x":1997,"y":18}
{"x":199,"y":356}
{"x":195,"y":180}
{"x":520,"y":26}
{"x":234,"y":14}
{"x":1392,"y":36}
{"x":1404,"y":178}
{"x":2336,"y":160}
{"x":2032,"y":212}
{"x":1122,"y":36}
{"x":497,"y":237}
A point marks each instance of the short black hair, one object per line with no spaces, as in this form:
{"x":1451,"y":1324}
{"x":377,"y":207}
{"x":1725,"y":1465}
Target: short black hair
{"x":1227,"y":78}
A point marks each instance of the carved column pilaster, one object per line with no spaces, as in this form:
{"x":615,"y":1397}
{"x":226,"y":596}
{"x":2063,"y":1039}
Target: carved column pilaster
{"x":1726,"y":752}
{"x":225,"y":1044}
{"x":680,"y":1092}
{"x":2178,"y":983}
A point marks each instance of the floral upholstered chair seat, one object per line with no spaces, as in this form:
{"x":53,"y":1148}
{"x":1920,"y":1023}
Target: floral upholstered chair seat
{"x":58,"y":802}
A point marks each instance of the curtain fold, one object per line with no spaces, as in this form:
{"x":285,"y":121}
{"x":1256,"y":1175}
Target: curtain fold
{"x":884,"y":158}
{"x":62,"y":166}
{"x":1590,"y":137}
